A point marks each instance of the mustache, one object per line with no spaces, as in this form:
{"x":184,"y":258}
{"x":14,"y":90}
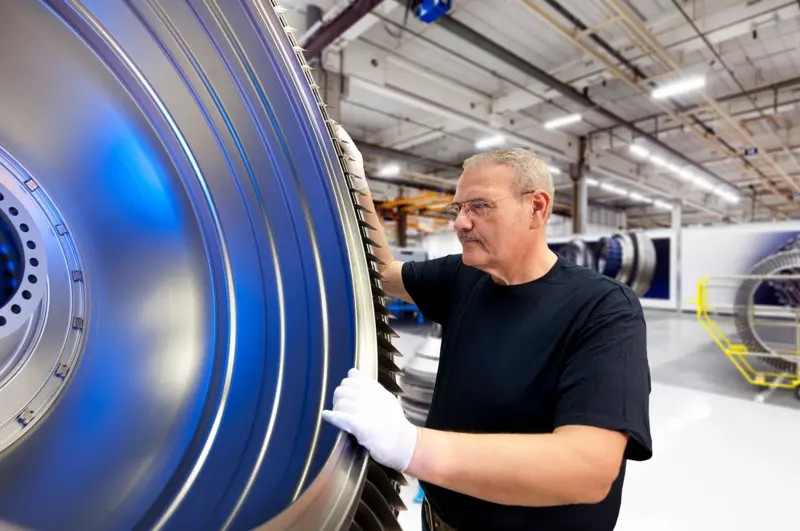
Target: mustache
{"x":468,"y":237}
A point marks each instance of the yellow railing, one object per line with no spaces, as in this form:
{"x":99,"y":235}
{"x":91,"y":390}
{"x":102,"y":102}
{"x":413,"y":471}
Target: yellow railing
{"x":738,"y":353}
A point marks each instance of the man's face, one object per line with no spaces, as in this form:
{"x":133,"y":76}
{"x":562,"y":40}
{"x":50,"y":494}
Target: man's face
{"x":490,"y":236}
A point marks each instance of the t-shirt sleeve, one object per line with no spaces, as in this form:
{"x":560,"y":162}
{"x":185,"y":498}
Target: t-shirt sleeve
{"x":606,"y":378}
{"x":431,"y":284}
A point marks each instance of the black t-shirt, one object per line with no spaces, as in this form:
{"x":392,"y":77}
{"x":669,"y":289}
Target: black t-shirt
{"x":567,"y":348}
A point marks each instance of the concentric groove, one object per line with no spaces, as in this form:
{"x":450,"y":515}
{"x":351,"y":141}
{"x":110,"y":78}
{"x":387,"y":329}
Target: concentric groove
{"x":744,"y":310}
{"x":203,"y":118}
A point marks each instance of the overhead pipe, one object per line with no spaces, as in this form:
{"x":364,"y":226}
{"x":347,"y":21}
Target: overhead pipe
{"x":365,"y":145}
{"x":705,"y":132}
{"x":448,"y":23}
{"x":328,"y":33}
{"x":746,"y":10}
{"x":649,"y":41}
{"x":414,"y":184}
{"x":468,"y":34}
{"x":414,"y":100}
{"x":735,"y":79}
{"x":687,"y":119}
{"x":639,"y":74}
{"x":597,"y":38}
{"x":772,"y":87}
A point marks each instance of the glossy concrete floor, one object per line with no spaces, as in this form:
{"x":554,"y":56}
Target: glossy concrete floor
{"x":726,"y":454}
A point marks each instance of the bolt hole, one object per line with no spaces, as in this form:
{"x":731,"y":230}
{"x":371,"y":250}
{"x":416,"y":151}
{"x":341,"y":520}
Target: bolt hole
{"x":30,"y":244}
{"x":32,"y":279}
{"x":24,"y":227}
{"x":34,"y":262}
{"x":2,"y":320}
{"x":13,"y":211}
{"x":15,"y":308}
{"x":26,"y":295}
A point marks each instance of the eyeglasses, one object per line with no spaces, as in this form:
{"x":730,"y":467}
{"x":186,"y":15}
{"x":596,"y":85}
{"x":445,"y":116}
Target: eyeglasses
{"x":478,"y":207}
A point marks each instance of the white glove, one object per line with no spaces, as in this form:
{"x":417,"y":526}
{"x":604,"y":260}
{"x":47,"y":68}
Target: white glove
{"x":356,"y":162}
{"x":362,"y":407}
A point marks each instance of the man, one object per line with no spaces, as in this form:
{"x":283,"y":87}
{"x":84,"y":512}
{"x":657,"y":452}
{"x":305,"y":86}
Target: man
{"x":543,"y":384}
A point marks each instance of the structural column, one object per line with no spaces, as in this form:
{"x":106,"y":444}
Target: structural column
{"x":677,"y":223}
{"x":580,"y":192}
{"x":677,"y":215}
{"x":332,"y":84}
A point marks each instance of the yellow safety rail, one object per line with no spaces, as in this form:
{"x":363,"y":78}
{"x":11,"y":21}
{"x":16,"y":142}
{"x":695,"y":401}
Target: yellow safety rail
{"x":738,"y":353}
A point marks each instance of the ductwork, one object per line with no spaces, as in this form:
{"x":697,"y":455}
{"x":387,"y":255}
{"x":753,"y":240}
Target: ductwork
{"x":476,"y":39}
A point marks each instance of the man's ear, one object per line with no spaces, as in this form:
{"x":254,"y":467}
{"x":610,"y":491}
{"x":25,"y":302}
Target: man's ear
{"x":540,"y":202}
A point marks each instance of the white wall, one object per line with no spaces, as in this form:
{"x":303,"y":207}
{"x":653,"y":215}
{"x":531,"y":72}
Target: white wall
{"x":727,"y":250}
{"x":601,"y":221}
{"x":441,"y":243}
{"x":672,"y":302}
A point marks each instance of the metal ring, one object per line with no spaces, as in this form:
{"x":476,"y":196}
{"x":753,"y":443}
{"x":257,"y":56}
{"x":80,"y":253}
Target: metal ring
{"x":743,"y":310}
{"x":227,"y":282}
{"x":644,"y":262}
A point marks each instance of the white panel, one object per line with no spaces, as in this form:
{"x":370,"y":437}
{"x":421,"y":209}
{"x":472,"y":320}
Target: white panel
{"x":441,"y":243}
{"x":671,"y":302}
{"x":727,"y":250}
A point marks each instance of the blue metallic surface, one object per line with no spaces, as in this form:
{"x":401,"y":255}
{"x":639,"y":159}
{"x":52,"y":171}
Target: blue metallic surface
{"x":11,"y":257}
{"x":609,"y":261}
{"x":432,"y":10}
{"x":183,"y":150}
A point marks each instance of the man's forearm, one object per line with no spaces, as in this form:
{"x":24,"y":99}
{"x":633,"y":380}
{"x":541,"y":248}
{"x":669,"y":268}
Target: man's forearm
{"x":526,"y":470}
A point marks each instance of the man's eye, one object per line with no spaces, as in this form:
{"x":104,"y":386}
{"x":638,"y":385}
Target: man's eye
{"x":479,"y":205}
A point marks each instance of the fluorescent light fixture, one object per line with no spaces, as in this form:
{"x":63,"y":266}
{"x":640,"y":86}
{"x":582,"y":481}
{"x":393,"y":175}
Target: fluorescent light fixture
{"x":679,"y":87}
{"x":731,"y":196}
{"x":639,"y":151}
{"x":636,"y":196}
{"x":390,"y":170}
{"x":614,"y":189}
{"x":686,"y":175}
{"x":690,"y":177}
{"x":564,"y":120}
{"x":727,"y":195}
{"x":490,"y":142}
{"x":702,"y":183}
{"x":592,"y":182}
{"x":554,"y":170}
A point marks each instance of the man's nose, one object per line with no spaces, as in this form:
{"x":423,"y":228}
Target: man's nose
{"x":463,"y":221}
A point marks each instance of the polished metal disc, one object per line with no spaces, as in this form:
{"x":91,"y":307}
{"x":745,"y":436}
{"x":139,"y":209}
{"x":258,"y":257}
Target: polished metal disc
{"x":43,"y":310}
{"x":191,"y":282}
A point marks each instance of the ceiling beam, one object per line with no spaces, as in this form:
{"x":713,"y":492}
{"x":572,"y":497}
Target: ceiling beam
{"x":720,"y":25}
{"x":327,"y":33}
{"x":473,"y":37}
{"x":563,"y":153}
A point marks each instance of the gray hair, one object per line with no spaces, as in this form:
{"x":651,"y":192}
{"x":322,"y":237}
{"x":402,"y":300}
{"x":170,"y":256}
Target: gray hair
{"x":531,"y":171}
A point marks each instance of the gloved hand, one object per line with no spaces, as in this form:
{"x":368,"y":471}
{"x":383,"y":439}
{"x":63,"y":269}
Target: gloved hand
{"x":362,"y":406}
{"x":356,"y":162}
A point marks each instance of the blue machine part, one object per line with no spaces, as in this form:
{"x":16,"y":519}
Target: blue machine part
{"x":432,"y":10}
{"x":184,"y":279}
{"x":609,"y":257}
{"x":788,"y":292}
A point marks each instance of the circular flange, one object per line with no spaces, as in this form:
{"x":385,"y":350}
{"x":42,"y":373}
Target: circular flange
{"x":609,"y":257}
{"x":743,"y":311}
{"x":788,"y":292}
{"x":577,"y":252}
{"x":41,"y":320}
{"x":644,"y":262}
